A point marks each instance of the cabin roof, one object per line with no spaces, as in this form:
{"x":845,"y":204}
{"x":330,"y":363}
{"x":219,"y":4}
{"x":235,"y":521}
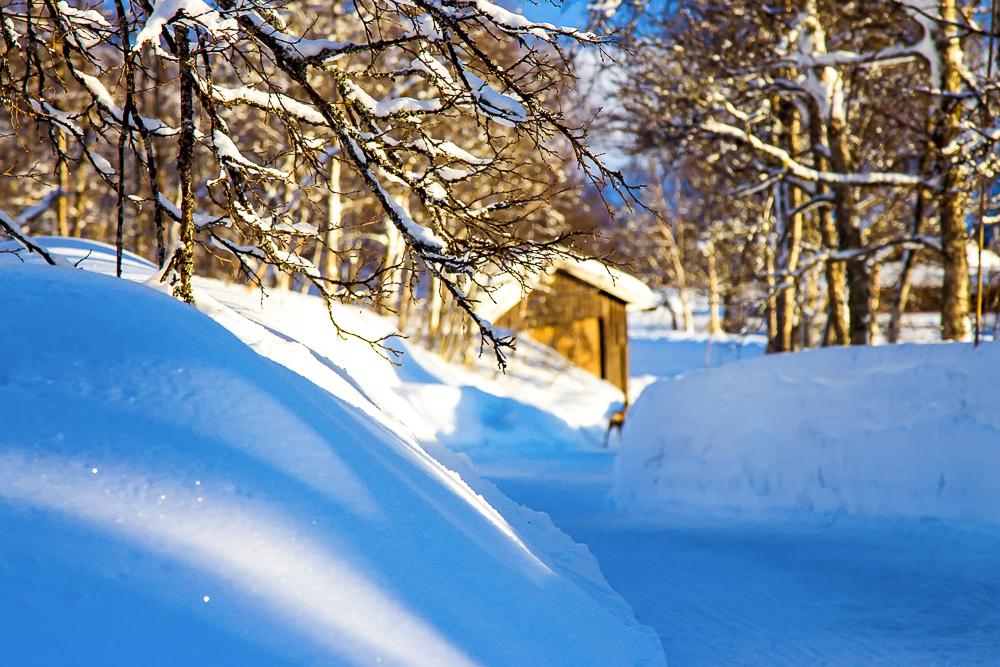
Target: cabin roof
{"x":505,"y":291}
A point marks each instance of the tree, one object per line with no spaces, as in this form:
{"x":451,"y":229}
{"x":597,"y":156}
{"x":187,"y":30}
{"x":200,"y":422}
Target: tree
{"x":832,"y":115}
{"x":381,"y":98}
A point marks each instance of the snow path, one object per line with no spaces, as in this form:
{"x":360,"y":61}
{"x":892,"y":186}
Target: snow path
{"x":844,"y":592}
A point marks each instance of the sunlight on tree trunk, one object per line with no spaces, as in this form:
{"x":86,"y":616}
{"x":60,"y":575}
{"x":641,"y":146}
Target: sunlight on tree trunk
{"x":184,"y":257}
{"x":952,"y":199}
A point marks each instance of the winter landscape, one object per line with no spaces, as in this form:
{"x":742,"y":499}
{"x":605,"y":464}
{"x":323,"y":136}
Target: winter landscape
{"x":453,"y":332}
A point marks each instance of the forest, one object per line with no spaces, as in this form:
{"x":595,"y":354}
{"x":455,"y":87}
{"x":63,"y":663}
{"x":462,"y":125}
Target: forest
{"x":815,"y":169}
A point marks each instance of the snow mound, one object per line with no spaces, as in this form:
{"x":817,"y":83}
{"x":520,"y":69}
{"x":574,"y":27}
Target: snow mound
{"x":900,"y":431}
{"x":169,"y":496}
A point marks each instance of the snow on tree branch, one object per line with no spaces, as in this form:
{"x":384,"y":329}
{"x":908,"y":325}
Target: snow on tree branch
{"x":808,"y":173}
{"x":434,"y":109}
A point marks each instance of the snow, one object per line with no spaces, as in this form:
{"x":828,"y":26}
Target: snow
{"x":924,"y":12}
{"x":275,"y":102}
{"x":713,"y":126}
{"x":734,"y":585}
{"x":170,"y":493}
{"x":505,"y":291}
{"x":89,"y":255}
{"x":607,"y":8}
{"x":389,"y":106}
{"x":101,"y":164}
{"x":201,"y":220}
{"x":165,"y":11}
{"x":59,"y":117}
{"x":656,"y":351}
{"x":516,"y":22}
{"x":84,"y":24}
{"x":294,"y":45}
{"x":253,"y":459}
{"x":896,"y":431}
{"x":840,"y":593}
{"x":726,"y":583}
{"x":435,"y":147}
{"x":105,"y":100}
{"x":424,"y":236}
{"x":614,"y":281}
{"x":502,"y":108}
{"x":87,"y":17}
{"x":228,"y":151}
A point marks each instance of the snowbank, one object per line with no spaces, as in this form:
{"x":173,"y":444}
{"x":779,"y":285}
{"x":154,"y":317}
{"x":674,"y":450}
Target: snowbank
{"x":908,"y":431}
{"x":169,"y":496}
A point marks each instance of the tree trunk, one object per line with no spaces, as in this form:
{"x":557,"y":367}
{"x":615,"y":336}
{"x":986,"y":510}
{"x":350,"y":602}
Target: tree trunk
{"x":836,"y":285}
{"x":331,"y":230}
{"x":827,"y":133}
{"x":790,"y":223}
{"x":406,"y":296}
{"x":128,"y":73}
{"x":283,"y":279}
{"x":62,"y":204}
{"x":62,"y":167}
{"x":714,"y":323}
{"x":160,"y":178}
{"x":873,"y":290}
{"x":673,"y":242}
{"x":770,"y":267}
{"x":772,"y":232}
{"x":76,"y":211}
{"x":836,"y":331}
{"x":680,"y":280}
{"x":434,"y":307}
{"x":858,"y":289}
{"x":851,"y":235}
{"x":952,"y":198}
{"x":184,"y":259}
{"x":810,"y":298}
{"x":395,"y":249}
{"x":786,"y":303}
{"x":902,"y":295}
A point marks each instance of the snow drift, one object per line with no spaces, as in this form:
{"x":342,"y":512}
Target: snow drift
{"x":168,"y":496}
{"x":905,"y":431}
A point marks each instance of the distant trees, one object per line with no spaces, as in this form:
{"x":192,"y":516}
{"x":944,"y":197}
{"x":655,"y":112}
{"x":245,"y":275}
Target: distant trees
{"x":240,"y":131}
{"x":841,"y":135}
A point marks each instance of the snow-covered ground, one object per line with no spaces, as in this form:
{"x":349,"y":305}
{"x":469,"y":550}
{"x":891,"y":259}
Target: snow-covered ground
{"x":790,"y":510}
{"x":895,"y":569}
{"x":897,"y":431}
{"x":833,"y":507}
{"x":751,"y":559}
{"x":657,"y":351}
{"x":172,"y":494}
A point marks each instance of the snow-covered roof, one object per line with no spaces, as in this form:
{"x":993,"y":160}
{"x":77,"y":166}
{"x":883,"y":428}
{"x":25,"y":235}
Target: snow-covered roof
{"x":506,"y":291}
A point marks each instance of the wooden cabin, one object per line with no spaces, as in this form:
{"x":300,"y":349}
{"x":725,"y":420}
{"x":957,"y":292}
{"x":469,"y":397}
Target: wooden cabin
{"x":580,"y":309}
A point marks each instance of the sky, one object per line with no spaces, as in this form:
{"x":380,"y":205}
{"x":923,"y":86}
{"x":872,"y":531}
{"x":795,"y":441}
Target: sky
{"x":571,"y":12}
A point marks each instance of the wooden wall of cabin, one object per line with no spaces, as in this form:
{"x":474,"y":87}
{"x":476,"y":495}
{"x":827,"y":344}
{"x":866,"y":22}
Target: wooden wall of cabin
{"x":587,"y":326}
{"x":616,"y":343}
